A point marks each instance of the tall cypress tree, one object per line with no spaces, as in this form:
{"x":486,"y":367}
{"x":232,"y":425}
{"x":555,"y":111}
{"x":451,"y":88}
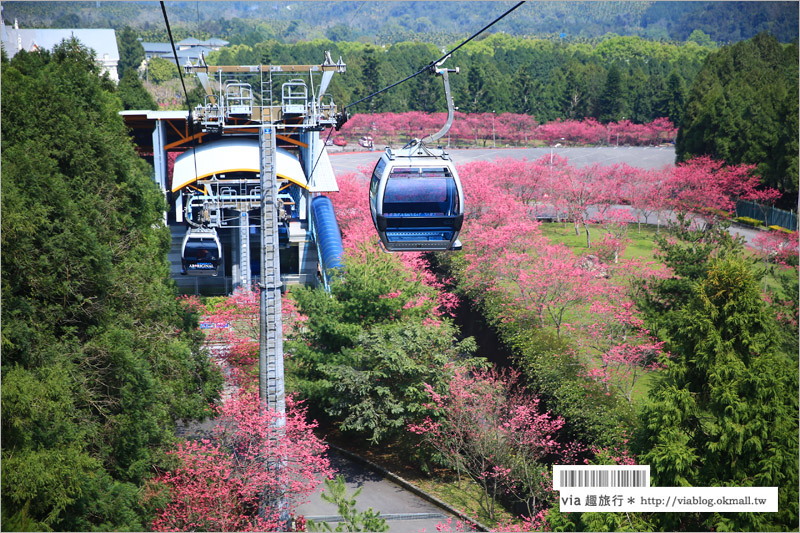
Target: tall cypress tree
{"x":131,"y":51}
{"x":98,"y":359}
{"x":672,"y":99}
{"x":725,"y":411}
{"x":742,"y":108}
{"x":611,"y":101}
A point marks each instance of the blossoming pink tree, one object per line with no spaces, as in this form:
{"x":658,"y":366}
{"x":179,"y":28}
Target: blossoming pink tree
{"x":614,"y":223}
{"x":256,"y":456}
{"x":490,"y":429}
{"x":219,"y":484}
{"x":504,"y":128}
{"x":703,"y":185}
{"x":622,"y":351}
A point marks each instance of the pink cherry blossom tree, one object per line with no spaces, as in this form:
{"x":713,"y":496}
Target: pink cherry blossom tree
{"x":704,"y":186}
{"x":218,"y":484}
{"x":256,"y":456}
{"x":493,"y":431}
{"x":614,"y":223}
{"x":622,"y":350}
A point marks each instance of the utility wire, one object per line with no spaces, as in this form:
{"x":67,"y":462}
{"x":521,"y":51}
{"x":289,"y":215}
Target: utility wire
{"x":174,"y":52}
{"x":432,"y":64}
{"x":427,"y":67}
{"x":185,"y":95}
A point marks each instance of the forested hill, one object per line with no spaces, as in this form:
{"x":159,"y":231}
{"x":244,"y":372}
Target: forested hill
{"x":440,"y":23}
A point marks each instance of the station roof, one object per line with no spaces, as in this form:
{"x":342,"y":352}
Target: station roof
{"x":228,"y":155}
{"x":141,"y":124}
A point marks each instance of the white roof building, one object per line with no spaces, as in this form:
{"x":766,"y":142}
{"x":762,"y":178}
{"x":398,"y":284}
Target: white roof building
{"x":103,"y":42}
{"x":188,"y":49}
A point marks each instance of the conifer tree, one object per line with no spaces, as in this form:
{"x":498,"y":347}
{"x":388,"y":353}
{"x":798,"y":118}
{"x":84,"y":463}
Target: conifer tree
{"x":609,"y":105}
{"x":742,"y":108}
{"x":725,"y":412}
{"x":98,"y":359}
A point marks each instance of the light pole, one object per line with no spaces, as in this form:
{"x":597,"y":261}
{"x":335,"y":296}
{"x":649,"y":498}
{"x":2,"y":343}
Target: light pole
{"x":493,"y":138}
{"x":551,"y":154}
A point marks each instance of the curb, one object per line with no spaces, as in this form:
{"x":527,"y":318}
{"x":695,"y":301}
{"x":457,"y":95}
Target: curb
{"x":408,"y":486}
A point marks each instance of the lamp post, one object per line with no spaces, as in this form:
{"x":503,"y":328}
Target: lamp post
{"x":551,"y":154}
{"x":493,"y":138}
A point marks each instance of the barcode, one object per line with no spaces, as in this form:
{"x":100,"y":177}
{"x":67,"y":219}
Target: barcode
{"x":601,"y":476}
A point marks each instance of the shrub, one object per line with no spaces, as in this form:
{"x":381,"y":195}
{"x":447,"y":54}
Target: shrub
{"x":782,"y":230}
{"x":749,"y":221}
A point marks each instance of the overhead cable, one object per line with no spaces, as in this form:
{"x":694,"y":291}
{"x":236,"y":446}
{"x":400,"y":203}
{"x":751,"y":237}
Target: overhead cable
{"x":174,"y":52}
{"x":189,"y":120}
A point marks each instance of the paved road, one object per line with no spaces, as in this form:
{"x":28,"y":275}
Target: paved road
{"x":642,"y":157}
{"x":404,"y":512}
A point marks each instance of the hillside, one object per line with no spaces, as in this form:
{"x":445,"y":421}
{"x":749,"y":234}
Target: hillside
{"x":436,"y":22}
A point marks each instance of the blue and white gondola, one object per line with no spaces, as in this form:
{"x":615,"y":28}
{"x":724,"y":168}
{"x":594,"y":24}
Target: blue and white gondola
{"x":201,"y":252}
{"x":416,"y":200}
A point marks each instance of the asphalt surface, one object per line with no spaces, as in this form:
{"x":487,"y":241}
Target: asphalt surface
{"x":635,"y":156}
{"x":403,"y":511}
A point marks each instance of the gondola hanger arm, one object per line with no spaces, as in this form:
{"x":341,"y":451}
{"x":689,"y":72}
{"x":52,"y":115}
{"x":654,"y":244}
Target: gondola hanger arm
{"x":443,"y":72}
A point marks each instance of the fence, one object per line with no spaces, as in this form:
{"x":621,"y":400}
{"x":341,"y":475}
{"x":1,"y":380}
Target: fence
{"x":774,"y":217}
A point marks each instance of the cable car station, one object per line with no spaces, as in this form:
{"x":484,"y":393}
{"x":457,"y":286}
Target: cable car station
{"x":256,"y":122}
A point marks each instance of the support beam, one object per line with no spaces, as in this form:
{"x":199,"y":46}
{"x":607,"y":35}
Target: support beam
{"x":271,"y":386}
{"x":244,"y":251}
{"x":160,"y":155}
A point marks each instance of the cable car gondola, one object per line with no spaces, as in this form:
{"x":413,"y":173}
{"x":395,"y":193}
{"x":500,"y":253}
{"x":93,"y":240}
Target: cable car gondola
{"x":416,"y":200}
{"x":415,"y":196}
{"x":201,"y":252}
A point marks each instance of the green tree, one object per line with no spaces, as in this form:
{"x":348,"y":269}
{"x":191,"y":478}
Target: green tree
{"x":702,"y":38}
{"x":133,"y":94}
{"x":687,"y":251}
{"x":671,"y":101}
{"x":725,"y":411}
{"x":340,"y":32}
{"x":131,"y":52}
{"x":98,"y":359}
{"x":368,"y":347}
{"x":612,"y":99}
{"x":476,"y":83}
{"x":742,"y":108}
{"x":378,"y":386}
{"x":524,"y":88}
{"x":160,"y":70}
{"x":370,"y":81}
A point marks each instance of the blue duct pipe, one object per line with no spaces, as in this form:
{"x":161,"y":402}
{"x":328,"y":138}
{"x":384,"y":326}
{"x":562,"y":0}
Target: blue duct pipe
{"x":329,"y":237}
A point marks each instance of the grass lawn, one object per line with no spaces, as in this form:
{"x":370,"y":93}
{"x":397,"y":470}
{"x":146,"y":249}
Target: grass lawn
{"x":641,"y":244}
{"x":466,"y":498}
